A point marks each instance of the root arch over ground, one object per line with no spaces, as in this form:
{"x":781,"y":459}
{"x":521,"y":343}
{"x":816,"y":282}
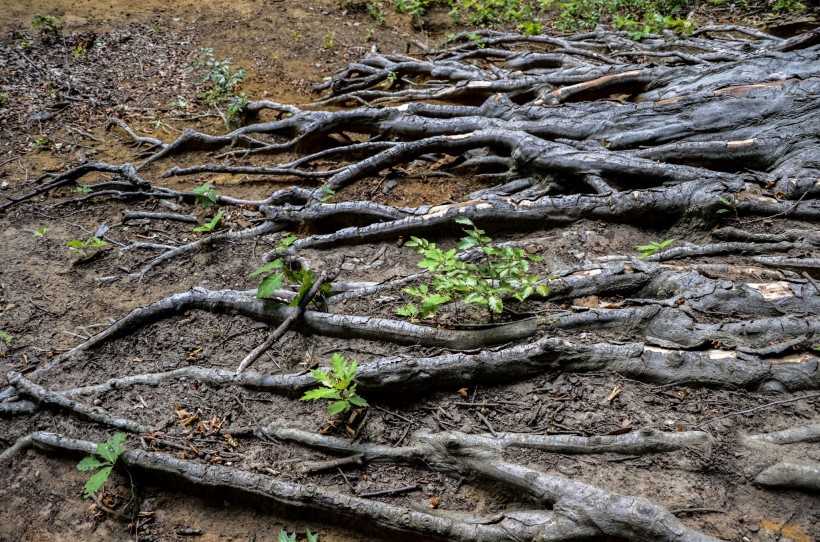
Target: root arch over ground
{"x":713,"y":136}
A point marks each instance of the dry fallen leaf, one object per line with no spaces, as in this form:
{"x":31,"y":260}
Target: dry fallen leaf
{"x":432,"y":502}
{"x":463,"y":392}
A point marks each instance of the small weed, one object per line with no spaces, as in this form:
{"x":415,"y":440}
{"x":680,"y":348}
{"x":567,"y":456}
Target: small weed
{"x":338,"y":386}
{"x":491,"y":12}
{"x":223,"y":82}
{"x":5,"y":337}
{"x":4,"y":99}
{"x":390,"y":80}
{"x":375,"y":11}
{"x":368,"y":35}
{"x":653,"y":248}
{"x":79,"y":50}
{"x":77,"y":245}
{"x":502,"y":271}
{"x":327,"y":39}
{"x":40,"y":232}
{"x":82,"y":190}
{"x":205,"y":195}
{"x":39,"y":144}
{"x":276,"y":272}
{"x":414,"y":8}
{"x":730,"y":206}
{"x":329,"y":193}
{"x":297,"y":36}
{"x":284,"y":536}
{"x":785,"y":6}
{"x":103,"y":461}
{"x":532,"y":28}
{"x":211,"y":225}
{"x":49,"y":26}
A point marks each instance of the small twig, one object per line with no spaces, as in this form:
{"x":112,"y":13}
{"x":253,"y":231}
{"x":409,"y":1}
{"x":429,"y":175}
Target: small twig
{"x":316,"y":466}
{"x":761,"y":407}
{"x":811,"y":279}
{"x":487,"y":423}
{"x":679,"y":511}
{"x":404,"y":489}
{"x":284,"y":326}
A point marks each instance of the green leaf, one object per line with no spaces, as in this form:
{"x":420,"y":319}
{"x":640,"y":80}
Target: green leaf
{"x":268,"y":267}
{"x":322,"y":377}
{"x":287,"y":241}
{"x":464,"y":221}
{"x":269,"y":284}
{"x":337,"y":407}
{"x":543,"y":290}
{"x":337,"y":363}
{"x":111,"y":449}
{"x":358,"y":401}
{"x":410,"y":310}
{"x":96,"y":481}
{"x":76,"y":244}
{"x":285,"y":537}
{"x":90,"y":462}
{"x":320,"y":393}
{"x":495,"y":304}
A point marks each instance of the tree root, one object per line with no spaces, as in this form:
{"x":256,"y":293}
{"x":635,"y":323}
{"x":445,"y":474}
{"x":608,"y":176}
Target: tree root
{"x":578,"y":510}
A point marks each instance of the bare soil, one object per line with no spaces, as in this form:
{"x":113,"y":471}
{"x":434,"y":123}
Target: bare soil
{"x":135,"y":69}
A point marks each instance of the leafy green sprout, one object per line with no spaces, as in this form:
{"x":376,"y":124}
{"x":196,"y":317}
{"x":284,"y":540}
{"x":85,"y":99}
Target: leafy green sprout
{"x":40,"y":232}
{"x":5,"y":337}
{"x":653,"y":248}
{"x":375,"y":12}
{"x":82,"y":190}
{"x":76,"y":245}
{"x":102,"y":461}
{"x":47,"y":25}
{"x":730,"y":206}
{"x":277,"y":272}
{"x":327,"y":39}
{"x":337,"y":386}
{"x":222,"y":80}
{"x":205,"y":195}
{"x":502,"y":271}
{"x":329,"y":193}
{"x":211,"y":225}
{"x":284,"y":536}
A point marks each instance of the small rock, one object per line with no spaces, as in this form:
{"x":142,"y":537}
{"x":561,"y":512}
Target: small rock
{"x":347,"y":266}
{"x":98,"y":402}
{"x":389,"y":186}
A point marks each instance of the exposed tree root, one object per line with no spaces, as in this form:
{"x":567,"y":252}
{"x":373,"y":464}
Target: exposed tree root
{"x":578,"y":510}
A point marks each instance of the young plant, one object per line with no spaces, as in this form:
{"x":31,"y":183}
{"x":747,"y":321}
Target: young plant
{"x":49,"y":26}
{"x":82,"y":190}
{"x":4,"y":338}
{"x":40,"y":232}
{"x":205,"y":195}
{"x":502,"y":271}
{"x":653,"y":248}
{"x":103,"y":461}
{"x":211,"y":225}
{"x":327,"y":40}
{"x":77,"y":245}
{"x":730,"y":206}
{"x":284,"y":536}
{"x":338,"y":386}
{"x":222,"y":80}
{"x":277,"y":272}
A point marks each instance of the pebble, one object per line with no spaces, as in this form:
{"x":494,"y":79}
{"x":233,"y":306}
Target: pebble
{"x":389,"y":186}
{"x":97,"y":402}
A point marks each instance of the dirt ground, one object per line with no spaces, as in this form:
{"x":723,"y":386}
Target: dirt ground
{"x":135,"y":69}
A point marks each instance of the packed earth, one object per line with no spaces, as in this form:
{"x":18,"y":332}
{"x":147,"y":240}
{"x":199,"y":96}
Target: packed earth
{"x":356,"y":270}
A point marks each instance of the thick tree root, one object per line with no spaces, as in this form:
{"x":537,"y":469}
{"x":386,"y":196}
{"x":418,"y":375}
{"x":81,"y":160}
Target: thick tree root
{"x":578,"y":510}
{"x":803,"y":475}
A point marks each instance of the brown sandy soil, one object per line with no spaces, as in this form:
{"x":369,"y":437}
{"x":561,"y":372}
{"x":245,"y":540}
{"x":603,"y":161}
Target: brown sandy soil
{"x":50,"y":301}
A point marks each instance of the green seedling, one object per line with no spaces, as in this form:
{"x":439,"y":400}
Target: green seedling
{"x":338,"y":386}
{"x":77,"y":245}
{"x":375,"y":12}
{"x":277,"y":272}
{"x":730,"y":206}
{"x":502,"y":271}
{"x":653,"y":248}
{"x":49,"y":26}
{"x":82,"y":190}
{"x":211,"y":225}
{"x":5,"y":337}
{"x":284,"y":536}
{"x":222,"y":82}
{"x":40,"y":232}
{"x":205,"y":195}
{"x":327,"y":40}
{"x":329,"y":193}
{"x":102,"y":461}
